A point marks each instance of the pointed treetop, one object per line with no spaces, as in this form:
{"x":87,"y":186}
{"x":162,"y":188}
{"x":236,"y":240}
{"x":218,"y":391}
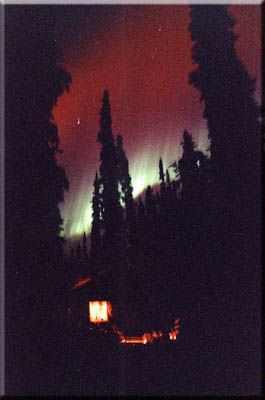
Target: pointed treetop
{"x":187,"y":143}
{"x":167,"y":176}
{"x":105,"y":95}
{"x":161,"y":171}
{"x":96,"y":185}
{"x":186,"y":135}
{"x":119,"y":141}
{"x":105,"y":133}
{"x":148,"y":193}
{"x":96,"y":177}
{"x":106,"y":102}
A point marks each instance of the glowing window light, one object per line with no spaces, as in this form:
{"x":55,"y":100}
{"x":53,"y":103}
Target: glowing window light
{"x":99,"y":311}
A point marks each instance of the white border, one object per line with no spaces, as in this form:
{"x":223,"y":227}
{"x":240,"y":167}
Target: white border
{"x":139,"y":2}
{"x":2,"y":203}
{"x":2,"y":124}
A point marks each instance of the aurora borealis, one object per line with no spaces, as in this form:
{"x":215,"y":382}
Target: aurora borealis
{"x":142,"y":55}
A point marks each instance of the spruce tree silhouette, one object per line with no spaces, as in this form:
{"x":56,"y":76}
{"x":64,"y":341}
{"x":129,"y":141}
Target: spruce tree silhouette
{"x":141,"y":211}
{"x":84,"y":247}
{"x":35,"y":185}
{"x":33,"y":219}
{"x":171,"y":201}
{"x":149,"y":243}
{"x":163,"y":200}
{"x":140,"y":233}
{"x":150,"y":207}
{"x":230,"y":109}
{"x":127,"y":191}
{"x":112,"y":213}
{"x":233,"y":246}
{"x":189,"y":170}
{"x":84,"y":256}
{"x":168,"y":179}
{"x":141,"y":220}
{"x":171,"y":196}
{"x":32,"y":141}
{"x":234,"y":129}
{"x":96,"y":222}
{"x":162,"y":176}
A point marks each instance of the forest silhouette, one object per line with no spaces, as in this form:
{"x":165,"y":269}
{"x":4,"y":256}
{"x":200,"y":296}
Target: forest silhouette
{"x":191,"y":247}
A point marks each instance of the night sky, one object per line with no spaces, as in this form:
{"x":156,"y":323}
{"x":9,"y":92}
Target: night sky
{"x":141,"y":54}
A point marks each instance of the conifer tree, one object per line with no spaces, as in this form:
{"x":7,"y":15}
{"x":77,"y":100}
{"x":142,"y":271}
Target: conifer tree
{"x":168,"y":179}
{"x":168,"y":183}
{"x":112,"y":214}
{"x":141,"y":211}
{"x":78,"y":252}
{"x":140,"y":220}
{"x":162,"y":197}
{"x":234,"y":202}
{"x":162,"y":176}
{"x":232,"y":119}
{"x":84,"y":247}
{"x":33,"y":214}
{"x":96,"y":222}
{"x":150,"y":206}
{"x":188,"y":166}
{"x":35,"y":183}
{"x":227,"y":91}
{"x":126,"y":188}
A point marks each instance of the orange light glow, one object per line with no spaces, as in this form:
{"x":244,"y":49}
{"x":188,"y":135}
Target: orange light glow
{"x":174,"y":332}
{"x":81,"y":283}
{"x":99,"y":311}
{"x":134,"y":339}
{"x":147,"y":338}
{"x":157,"y":334}
{"x":144,"y":339}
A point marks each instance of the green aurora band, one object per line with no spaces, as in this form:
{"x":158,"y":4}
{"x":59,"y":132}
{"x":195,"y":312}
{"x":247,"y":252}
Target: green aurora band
{"x":76,"y":211}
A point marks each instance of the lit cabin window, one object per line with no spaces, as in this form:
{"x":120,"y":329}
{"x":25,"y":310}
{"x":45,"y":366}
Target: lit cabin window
{"x":99,"y":311}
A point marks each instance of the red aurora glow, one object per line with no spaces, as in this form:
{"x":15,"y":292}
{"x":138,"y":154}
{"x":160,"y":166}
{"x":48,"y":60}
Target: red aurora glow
{"x":141,"y":54}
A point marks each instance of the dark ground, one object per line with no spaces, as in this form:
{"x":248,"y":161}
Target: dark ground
{"x":173,"y":368}
{"x":217,"y":354}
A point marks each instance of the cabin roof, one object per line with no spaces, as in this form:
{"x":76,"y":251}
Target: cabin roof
{"x":105,"y":284}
